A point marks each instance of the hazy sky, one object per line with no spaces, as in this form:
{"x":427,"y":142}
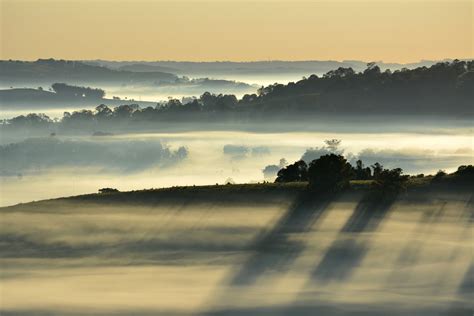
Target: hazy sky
{"x":398,"y":30}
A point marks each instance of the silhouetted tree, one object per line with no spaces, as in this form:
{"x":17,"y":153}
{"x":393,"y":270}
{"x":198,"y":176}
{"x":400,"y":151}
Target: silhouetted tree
{"x":31,"y":120}
{"x":362,"y":173}
{"x":377,"y":169}
{"x":441,"y":174}
{"x":125,"y":111}
{"x":329,"y":173}
{"x":390,"y":181}
{"x":103,"y":112}
{"x":74,"y":91}
{"x":77,"y":118}
{"x":193,"y":106}
{"x":108,"y":190}
{"x":293,"y":173}
{"x":173,"y":105}
{"x":465,"y":173}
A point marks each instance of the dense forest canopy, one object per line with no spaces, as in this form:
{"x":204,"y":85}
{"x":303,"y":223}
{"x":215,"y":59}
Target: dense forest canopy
{"x":445,"y":89}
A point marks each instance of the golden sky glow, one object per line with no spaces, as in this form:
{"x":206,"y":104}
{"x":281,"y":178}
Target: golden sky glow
{"x":397,"y":31}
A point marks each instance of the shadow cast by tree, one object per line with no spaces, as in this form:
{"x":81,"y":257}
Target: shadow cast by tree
{"x":274,"y":250}
{"x":346,"y":252}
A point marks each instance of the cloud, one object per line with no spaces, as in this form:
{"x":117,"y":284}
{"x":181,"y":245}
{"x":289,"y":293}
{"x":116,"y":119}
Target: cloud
{"x":237,"y":152}
{"x":270,"y":171}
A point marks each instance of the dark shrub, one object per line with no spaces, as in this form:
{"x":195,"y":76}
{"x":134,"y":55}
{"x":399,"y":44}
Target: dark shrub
{"x":441,"y":174}
{"x":390,"y":181}
{"x":108,"y":190}
{"x":465,"y":174}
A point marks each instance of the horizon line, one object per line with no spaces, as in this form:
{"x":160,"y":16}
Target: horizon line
{"x":242,"y":61}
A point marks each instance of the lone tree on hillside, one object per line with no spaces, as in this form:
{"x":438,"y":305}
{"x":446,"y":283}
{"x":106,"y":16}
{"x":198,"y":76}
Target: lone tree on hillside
{"x":329,"y":173}
{"x":108,"y":190}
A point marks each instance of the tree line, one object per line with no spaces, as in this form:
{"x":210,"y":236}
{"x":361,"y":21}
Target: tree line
{"x":332,"y":173}
{"x":66,"y":90}
{"x":446,"y":88}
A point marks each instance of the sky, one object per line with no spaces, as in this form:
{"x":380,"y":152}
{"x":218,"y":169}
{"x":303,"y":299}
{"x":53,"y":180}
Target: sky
{"x":195,"y":30}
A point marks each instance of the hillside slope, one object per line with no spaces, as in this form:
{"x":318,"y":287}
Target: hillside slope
{"x":49,"y":71}
{"x":34,"y":98}
{"x":240,"y":250}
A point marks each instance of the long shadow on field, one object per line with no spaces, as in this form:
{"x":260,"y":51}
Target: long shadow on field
{"x":467,"y":284}
{"x":466,"y":287}
{"x":409,"y":254}
{"x":469,"y":210}
{"x":462,"y":305}
{"x":346,"y":252}
{"x":274,"y":250}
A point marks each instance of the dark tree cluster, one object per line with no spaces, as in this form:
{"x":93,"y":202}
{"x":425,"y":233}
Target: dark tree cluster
{"x":363,"y":173}
{"x":390,"y":180}
{"x":295,"y":172}
{"x":32,"y":120}
{"x":208,"y":103}
{"x":75,"y":91}
{"x":441,"y":88}
{"x":332,"y":173}
{"x":464,"y":174}
{"x":465,"y":171}
{"x":108,"y":190}
{"x":445,"y":88}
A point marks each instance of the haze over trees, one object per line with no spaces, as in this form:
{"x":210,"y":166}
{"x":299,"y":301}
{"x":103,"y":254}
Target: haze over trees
{"x":66,"y":90}
{"x":44,"y":72}
{"x":260,"y":68}
{"x":444,"y":89}
{"x":47,"y":71}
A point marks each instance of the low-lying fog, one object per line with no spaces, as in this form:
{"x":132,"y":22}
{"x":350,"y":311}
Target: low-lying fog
{"x":131,"y":93}
{"x":55,"y":166}
{"x":208,"y":256}
{"x":263,"y":79}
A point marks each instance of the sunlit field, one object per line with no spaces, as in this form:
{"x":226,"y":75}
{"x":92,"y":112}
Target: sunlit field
{"x":234,"y":251}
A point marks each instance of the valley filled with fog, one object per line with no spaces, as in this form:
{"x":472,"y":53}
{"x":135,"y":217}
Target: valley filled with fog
{"x":88,"y":125}
{"x":236,"y":158}
{"x":48,"y":166}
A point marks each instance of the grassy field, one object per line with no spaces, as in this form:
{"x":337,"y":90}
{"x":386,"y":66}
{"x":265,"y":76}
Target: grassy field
{"x":242,"y":193}
{"x":254,"y":249}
